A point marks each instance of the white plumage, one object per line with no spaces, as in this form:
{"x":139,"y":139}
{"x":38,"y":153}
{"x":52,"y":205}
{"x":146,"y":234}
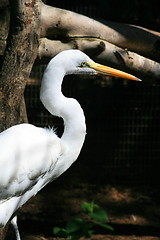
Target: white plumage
{"x":31,"y":157}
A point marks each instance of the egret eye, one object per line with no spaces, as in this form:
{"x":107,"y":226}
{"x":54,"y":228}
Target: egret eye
{"x":83,"y":64}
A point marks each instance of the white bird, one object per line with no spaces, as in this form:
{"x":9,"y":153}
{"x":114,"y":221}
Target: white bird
{"x":31,"y":157}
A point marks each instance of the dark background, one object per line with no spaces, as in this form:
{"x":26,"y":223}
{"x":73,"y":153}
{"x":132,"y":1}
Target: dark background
{"x":142,"y":13}
{"x":123,"y":130}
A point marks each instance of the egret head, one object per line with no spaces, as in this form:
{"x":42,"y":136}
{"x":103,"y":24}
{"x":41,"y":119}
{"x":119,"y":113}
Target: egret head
{"x":77,"y":62}
{"x":72,"y":62}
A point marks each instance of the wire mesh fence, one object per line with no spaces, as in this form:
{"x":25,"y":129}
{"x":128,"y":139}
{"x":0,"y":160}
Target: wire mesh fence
{"x":123,"y":130}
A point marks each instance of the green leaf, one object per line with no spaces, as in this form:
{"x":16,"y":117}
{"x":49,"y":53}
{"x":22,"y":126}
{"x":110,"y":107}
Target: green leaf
{"x":74,"y":225}
{"x":89,"y":233}
{"x":99,"y":215}
{"x":79,"y":227}
{"x":89,"y":207}
{"x":105,"y":226}
{"x":60,"y":232}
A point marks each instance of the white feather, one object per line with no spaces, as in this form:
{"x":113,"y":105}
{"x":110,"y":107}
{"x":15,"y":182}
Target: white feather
{"x":31,"y":157}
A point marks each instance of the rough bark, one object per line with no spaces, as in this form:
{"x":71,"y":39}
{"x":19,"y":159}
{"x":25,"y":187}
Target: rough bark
{"x":4,"y":27}
{"x":3,"y":232}
{"x":21,"y":51}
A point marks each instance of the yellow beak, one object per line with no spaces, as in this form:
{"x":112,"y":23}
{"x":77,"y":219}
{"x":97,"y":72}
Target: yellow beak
{"x":102,"y":69}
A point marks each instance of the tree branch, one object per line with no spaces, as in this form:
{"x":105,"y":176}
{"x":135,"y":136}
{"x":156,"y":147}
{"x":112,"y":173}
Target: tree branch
{"x":103,"y":52}
{"x":58,"y":23}
{"x":114,"y":44}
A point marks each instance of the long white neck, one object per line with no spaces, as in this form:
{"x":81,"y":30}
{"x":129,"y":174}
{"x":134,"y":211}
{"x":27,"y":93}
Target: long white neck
{"x":67,"y":108}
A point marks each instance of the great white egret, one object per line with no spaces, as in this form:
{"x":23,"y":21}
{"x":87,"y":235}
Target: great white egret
{"x":31,"y":157}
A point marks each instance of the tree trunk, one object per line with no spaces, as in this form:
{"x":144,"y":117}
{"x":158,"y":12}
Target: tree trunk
{"x":3,"y":232}
{"x":20,"y":54}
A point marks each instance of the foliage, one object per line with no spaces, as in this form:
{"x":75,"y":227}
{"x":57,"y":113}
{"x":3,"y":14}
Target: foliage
{"x":94,"y":216}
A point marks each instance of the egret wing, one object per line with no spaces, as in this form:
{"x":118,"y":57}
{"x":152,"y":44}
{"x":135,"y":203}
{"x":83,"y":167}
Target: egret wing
{"x":27,"y":154}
